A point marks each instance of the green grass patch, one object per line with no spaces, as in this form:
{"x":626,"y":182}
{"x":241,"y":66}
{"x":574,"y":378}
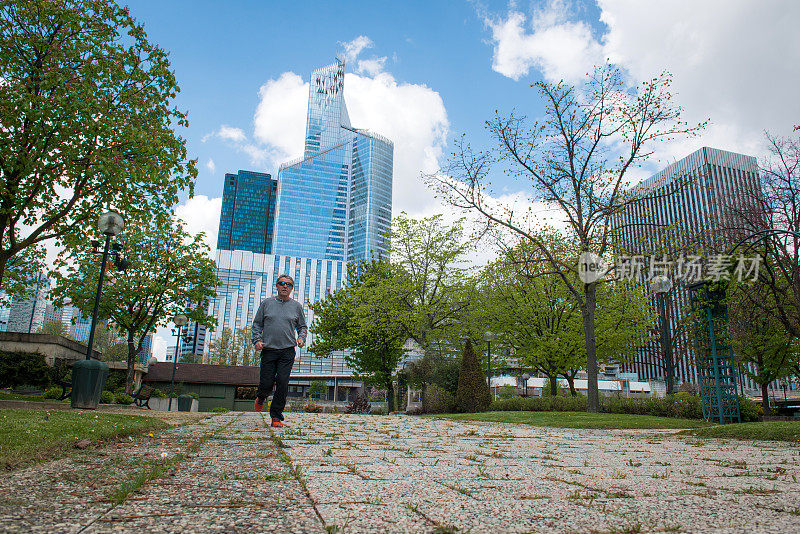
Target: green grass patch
{"x":578,"y":419}
{"x":22,"y":397}
{"x":769,"y":430}
{"x":28,"y":436}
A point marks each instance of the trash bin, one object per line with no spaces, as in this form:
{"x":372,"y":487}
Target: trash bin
{"x":88,"y":379}
{"x":185,"y":403}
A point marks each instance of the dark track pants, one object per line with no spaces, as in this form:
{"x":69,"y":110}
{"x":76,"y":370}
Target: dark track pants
{"x":276,"y":364}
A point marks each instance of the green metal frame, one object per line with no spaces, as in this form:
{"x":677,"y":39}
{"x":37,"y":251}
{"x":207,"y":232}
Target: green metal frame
{"x":714,"y":354}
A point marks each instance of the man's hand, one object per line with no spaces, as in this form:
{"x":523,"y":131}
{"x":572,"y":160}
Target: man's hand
{"x":300,"y":342}
{"x":259,"y":346}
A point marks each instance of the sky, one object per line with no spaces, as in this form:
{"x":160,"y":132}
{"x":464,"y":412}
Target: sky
{"x":424,"y":73}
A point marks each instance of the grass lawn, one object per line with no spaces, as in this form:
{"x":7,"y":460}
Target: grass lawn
{"x":769,"y":430}
{"x":28,"y":436}
{"x":578,"y":419}
{"x":20,"y":396}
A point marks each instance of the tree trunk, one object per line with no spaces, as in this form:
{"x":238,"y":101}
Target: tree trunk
{"x":765,"y":397}
{"x":389,"y":395}
{"x":132,"y":354}
{"x":588,"y":311}
{"x":553,"y":379}
{"x":571,"y":382}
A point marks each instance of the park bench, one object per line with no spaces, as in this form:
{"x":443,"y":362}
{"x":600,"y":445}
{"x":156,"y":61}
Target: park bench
{"x":142,"y":397}
{"x":66,"y":387}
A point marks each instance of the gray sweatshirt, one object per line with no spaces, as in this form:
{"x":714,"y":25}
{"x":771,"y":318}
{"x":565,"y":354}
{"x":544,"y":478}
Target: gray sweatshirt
{"x":279,"y":323}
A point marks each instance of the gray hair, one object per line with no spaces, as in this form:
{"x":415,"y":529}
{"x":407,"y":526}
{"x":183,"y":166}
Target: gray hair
{"x":285,"y":276}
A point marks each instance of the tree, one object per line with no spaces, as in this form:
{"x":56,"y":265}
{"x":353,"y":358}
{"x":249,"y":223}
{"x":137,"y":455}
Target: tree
{"x":168,"y":268}
{"x":86,"y":121}
{"x":318,"y":389}
{"x":220,"y":349}
{"x":576,"y":160}
{"x":365,"y":317}
{"x":433,"y":255}
{"x":473,"y":393}
{"x":55,"y":327}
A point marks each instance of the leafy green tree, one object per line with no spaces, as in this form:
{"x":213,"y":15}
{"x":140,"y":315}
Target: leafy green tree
{"x":168,"y":268}
{"x":318,"y":389}
{"x":365,"y":317}
{"x":576,"y":162}
{"x":433,"y":255}
{"x":220,"y":349}
{"x":473,"y":393}
{"x":55,"y":327}
{"x":86,"y":121}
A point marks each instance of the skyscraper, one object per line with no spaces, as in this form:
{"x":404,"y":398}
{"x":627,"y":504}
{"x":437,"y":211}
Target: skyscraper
{"x":248,"y":212}
{"x":335,"y":202}
{"x":27,"y":312}
{"x":686,"y":206}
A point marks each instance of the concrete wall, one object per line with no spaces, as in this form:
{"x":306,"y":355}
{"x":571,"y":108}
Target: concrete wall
{"x":50,"y":346}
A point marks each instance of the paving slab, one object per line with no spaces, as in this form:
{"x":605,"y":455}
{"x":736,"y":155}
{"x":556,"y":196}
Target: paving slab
{"x":364,"y":473}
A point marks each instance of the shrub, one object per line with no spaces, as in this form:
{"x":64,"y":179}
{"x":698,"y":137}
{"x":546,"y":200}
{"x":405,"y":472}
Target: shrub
{"x":123,"y":398}
{"x":546,"y":392}
{"x":53,"y":392}
{"x":507,"y":392}
{"x":750,"y":410}
{"x":195,"y":396}
{"x":359,"y":405}
{"x":473,"y":391}
{"x":377,"y":394}
{"x":19,"y":368}
{"x":312,"y":407}
{"x":438,"y":400}
{"x":243,"y":392}
{"x":445,"y":374}
{"x":157,"y":393}
{"x":219,"y":409}
{"x":106,"y":397}
{"x":115,"y":381}
{"x":318,"y":389}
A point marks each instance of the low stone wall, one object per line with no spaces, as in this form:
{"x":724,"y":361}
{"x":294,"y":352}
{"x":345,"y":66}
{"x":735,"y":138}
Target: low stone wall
{"x":162,"y":403}
{"x":52,"y":347}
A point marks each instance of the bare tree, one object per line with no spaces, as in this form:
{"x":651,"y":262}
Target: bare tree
{"x":577,"y":161}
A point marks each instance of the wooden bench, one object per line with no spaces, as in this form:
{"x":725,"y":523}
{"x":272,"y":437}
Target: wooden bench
{"x":66,"y":388}
{"x":142,"y":397}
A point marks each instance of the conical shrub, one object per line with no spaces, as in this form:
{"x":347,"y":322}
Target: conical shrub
{"x":473,"y":391}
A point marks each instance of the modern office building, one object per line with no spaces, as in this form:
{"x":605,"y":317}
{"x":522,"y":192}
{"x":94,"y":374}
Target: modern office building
{"x":147,"y":349}
{"x":335,"y":202}
{"x":247,"y":217}
{"x":248,"y":278}
{"x":192,"y":351}
{"x":680,"y":212}
{"x":27,"y":313}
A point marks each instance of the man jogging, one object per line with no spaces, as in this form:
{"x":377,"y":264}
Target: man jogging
{"x":278,"y":327}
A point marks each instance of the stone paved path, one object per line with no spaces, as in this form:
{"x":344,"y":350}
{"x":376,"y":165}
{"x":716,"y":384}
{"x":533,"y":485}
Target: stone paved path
{"x":350,"y":473}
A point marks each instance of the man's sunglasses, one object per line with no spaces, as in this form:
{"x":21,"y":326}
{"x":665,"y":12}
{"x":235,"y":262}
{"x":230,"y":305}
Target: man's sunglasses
{"x":285,"y":284}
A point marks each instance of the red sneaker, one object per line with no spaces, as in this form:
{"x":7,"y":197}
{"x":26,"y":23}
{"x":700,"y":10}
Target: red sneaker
{"x":259,"y":404}
{"x":277,"y":422}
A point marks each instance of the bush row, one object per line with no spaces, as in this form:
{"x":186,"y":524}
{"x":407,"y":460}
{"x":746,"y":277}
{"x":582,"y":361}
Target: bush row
{"x":681,"y":405}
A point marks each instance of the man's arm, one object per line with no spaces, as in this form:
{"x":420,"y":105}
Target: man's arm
{"x":302,"y":329}
{"x":258,"y":327}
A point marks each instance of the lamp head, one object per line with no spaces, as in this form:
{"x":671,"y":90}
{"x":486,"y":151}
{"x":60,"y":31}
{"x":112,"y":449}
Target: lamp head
{"x":180,"y":320}
{"x":152,"y":361}
{"x":525,"y":376}
{"x":111,"y":223}
{"x":660,"y":284}
{"x":488,"y":336}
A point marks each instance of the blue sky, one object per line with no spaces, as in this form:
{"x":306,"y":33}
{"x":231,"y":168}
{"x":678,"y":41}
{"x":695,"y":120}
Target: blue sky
{"x":424,"y":72}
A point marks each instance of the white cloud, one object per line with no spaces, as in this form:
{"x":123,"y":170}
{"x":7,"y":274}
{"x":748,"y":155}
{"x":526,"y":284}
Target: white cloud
{"x":212,"y":168}
{"x":201,"y":214}
{"x":353,"y":48}
{"x":733,"y":61}
{"x":560,"y":49}
{"x":371,"y":67}
{"x":231,"y":134}
{"x":280,"y":118}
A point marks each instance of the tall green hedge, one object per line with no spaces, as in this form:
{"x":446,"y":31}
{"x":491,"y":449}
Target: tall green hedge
{"x":23,"y":369}
{"x":473,"y":391}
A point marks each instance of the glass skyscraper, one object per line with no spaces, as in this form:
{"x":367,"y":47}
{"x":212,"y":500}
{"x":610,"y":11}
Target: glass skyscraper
{"x":247,"y":218}
{"x":335,"y":202}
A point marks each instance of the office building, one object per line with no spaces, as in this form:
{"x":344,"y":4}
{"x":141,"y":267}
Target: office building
{"x":247,"y":217}
{"x":27,"y":313}
{"x":335,"y":202}
{"x":682,"y":211}
{"x":249,"y":278}
{"x":147,"y":349}
{"x":192,"y":350}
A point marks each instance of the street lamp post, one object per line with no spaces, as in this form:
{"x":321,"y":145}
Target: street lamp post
{"x":525,"y":377}
{"x":180,"y":321}
{"x":660,"y":285}
{"x":89,"y":376}
{"x":488,"y":336}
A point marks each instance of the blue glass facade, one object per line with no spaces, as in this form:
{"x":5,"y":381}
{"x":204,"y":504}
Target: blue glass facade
{"x":247,"y":218}
{"x":336,"y":201}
